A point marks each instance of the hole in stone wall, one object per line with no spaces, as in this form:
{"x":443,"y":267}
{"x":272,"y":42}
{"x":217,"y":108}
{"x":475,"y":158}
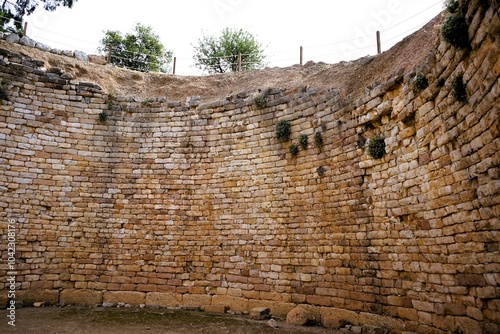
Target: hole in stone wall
{"x":409,"y":120}
{"x":361,"y":141}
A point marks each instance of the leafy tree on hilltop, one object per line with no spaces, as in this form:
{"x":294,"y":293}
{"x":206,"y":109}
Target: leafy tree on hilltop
{"x":13,"y":12}
{"x":220,"y":54}
{"x":141,"y":50}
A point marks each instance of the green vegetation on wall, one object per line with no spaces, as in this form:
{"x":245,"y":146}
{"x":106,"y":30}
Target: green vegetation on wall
{"x":283,"y":130}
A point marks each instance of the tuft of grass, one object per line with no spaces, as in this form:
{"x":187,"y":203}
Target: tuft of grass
{"x":420,"y":83}
{"x":456,"y":31}
{"x":294,"y":150}
{"x":283,"y":130}
{"x":303,"y":141}
{"x":376,"y":147}
{"x":458,"y":89}
{"x":321,"y":171}
{"x":452,"y":5}
{"x":318,"y":139}
{"x":3,"y":94}
{"x":103,"y":117}
{"x":260,"y":98}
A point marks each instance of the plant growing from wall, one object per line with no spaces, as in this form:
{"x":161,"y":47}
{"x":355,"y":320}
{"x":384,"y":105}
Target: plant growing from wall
{"x":103,"y":117}
{"x":260,"y":98}
{"x":420,"y":83}
{"x":294,"y":150}
{"x":452,"y":5}
{"x":321,"y":171}
{"x":318,"y":140}
{"x":3,"y":94}
{"x":303,"y":141}
{"x":456,"y":31}
{"x":458,"y":89}
{"x":376,"y":147}
{"x":283,"y":130}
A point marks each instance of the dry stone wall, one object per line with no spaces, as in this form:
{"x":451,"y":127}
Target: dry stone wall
{"x":196,"y":204}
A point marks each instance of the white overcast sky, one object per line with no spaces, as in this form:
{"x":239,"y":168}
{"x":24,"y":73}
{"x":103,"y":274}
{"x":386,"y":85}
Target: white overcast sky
{"x":329,"y":30}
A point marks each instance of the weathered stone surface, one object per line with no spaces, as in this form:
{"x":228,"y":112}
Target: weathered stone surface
{"x":42,"y":46}
{"x":27,"y":41}
{"x":80,"y":55}
{"x":97,"y":59}
{"x":126,"y":297}
{"x":299,"y":316}
{"x":163,"y":299}
{"x":80,"y":297}
{"x":260,"y":313}
{"x":29,"y":297}
{"x":12,"y":38}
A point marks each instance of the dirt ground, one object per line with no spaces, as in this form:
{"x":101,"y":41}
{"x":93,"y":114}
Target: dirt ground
{"x":77,"y":320}
{"x":350,"y":77}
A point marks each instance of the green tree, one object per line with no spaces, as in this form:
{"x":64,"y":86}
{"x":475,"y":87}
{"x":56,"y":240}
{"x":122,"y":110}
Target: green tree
{"x":12,"y":12}
{"x":220,"y":54}
{"x":141,"y":50}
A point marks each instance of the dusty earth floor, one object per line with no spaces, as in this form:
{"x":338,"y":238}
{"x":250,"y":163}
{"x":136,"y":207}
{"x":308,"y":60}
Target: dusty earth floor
{"x":74,"y":320}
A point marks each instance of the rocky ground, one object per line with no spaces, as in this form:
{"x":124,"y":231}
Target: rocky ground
{"x":77,"y":320}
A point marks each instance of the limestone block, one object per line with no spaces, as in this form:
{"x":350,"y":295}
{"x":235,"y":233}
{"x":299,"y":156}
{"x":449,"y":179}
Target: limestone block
{"x":97,"y":59}
{"x":28,"y":297}
{"x":238,"y":304}
{"x":27,"y":41}
{"x":80,"y":55}
{"x":42,"y":46}
{"x":81,"y":297}
{"x":393,"y":324}
{"x":127,"y":297}
{"x":196,"y":301}
{"x":12,"y":38}
{"x":299,"y":316}
{"x":163,"y":299}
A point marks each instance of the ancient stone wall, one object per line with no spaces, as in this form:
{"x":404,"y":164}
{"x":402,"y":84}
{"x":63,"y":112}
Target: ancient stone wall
{"x":196,"y":204}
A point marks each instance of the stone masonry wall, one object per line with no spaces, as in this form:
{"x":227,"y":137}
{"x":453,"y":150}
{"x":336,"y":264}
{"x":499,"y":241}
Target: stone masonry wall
{"x":196,"y":204}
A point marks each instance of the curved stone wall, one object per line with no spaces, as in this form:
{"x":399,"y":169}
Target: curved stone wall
{"x":197,"y":204}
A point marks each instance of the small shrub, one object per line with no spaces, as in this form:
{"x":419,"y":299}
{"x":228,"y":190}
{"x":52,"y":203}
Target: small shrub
{"x":103,"y":117}
{"x":318,"y":139}
{"x":294,"y":150}
{"x":452,"y":5}
{"x":260,"y":98}
{"x":321,"y":171}
{"x":3,"y":94}
{"x":303,"y":141}
{"x":456,"y":31}
{"x":420,"y":83}
{"x":458,"y":89}
{"x":283,"y":130}
{"x":376,"y":147}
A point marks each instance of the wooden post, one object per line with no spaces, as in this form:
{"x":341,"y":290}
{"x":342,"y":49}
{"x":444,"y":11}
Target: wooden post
{"x":239,"y":61}
{"x":175,"y":63}
{"x":301,"y":55}
{"x":110,"y":50}
{"x":25,"y":30}
{"x":379,"y":47}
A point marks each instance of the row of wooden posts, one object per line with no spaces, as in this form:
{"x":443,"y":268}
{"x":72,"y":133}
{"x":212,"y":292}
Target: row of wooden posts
{"x":379,"y":51}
